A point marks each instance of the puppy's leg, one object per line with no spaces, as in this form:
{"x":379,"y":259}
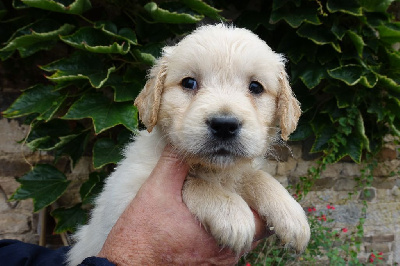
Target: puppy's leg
{"x":274,"y":204}
{"x":224,"y":214}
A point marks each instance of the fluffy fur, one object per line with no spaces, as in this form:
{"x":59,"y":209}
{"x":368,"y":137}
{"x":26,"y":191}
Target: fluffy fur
{"x":224,"y":180}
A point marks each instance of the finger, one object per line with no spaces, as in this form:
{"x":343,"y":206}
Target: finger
{"x":262,"y":231}
{"x":170,"y":172}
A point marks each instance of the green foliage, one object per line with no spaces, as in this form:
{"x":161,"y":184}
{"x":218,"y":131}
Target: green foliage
{"x":44,"y":184}
{"x":74,"y":7}
{"x":95,"y":69}
{"x":94,"y":56}
{"x":68,"y":218}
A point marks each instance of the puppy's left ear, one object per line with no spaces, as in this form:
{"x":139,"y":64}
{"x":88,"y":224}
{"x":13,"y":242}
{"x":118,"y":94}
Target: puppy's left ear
{"x":288,"y":107}
{"x":148,"y":100}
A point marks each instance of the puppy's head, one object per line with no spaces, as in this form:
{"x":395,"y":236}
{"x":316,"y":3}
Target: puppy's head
{"x":218,"y":96}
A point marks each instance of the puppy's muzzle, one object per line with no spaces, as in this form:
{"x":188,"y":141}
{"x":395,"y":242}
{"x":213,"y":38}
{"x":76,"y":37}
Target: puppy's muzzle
{"x":224,"y":127}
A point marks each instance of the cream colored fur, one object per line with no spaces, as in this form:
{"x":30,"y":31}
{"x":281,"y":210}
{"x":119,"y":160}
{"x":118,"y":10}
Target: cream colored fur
{"x":220,"y":189}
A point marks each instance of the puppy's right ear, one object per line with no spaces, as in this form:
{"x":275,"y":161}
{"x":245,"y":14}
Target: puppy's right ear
{"x":148,"y":100}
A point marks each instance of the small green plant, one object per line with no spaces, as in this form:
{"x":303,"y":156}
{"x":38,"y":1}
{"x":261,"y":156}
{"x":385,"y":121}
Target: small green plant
{"x":337,"y":247}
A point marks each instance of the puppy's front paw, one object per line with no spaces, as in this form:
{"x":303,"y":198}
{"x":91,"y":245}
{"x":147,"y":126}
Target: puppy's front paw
{"x":291,"y":225}
{"x":224,"y":214}
{"x":279,"y":209}
{"x":233,"y":226}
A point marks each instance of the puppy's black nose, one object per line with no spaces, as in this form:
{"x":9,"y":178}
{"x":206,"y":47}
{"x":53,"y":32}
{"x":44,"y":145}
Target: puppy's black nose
{"x":224,"y":127}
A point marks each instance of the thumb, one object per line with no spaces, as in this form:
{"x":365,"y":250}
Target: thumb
{"x":170,"y":172}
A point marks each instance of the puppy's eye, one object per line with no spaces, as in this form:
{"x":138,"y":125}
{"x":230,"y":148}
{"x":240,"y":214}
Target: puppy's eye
{"x":189,"y":83}
{"x":255,"y":87}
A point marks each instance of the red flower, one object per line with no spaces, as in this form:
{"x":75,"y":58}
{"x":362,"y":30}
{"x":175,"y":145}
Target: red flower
{"x":330,"y":207}
{"x":248,"y":264}
{"x":373,"y":255}
{"x":371,"y":260}
{"x":344,"y":230}
{"x":323,"y":217}
{"x":380,"y":253}
{"x":313,"y":209}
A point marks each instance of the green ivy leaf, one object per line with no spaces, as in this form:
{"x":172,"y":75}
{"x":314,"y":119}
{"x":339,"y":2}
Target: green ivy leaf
{"x":92,"y":187}
{"x":394,"y":60}
{"x":357,"y":41}
{"x":338,"y":31}
{"x":312,"y":75}
{"x":45,"y":136}
{"x":80,"y":66}
{"x":73,"y":145}
{"x":68,"y":219}
{"x":76,"y":7}
{"x":389,"y":33}
{"x":77,"y":83}
{"x":36,"y":36}
{"x":107,"y":151}
{"x":319,"y":35}
{"x":351,"y":7}
{"x":39,"y":99}
{"x":302,"y":132}
{"x":322,"y":137}
{"x":17,"y":4}
{"x":369,"y":79}
{"x":164,"y":16}
{"x":125,"y":91}
{"x":353,"y":148}
{"x":377,"y":109}
{"x":203,"y":8}
{"x":389,"y":83}
{"x":395,"y":130}
{"x":96,"y":41}
{"x":135,"y":75}
{"x":148,"y":53}
{"x":360,"y":131}
{"x":343,"y":95}
{"x":375,"y":5}
{"x":44,"y":184}
{"x":296,"y":16}
{"x":110,"y":28}
{"x":104,"y":113}
{"x":349,"y":74}
{"x":354,"y":74}
{"x":393,"y":107}
{"x":34,"y":48}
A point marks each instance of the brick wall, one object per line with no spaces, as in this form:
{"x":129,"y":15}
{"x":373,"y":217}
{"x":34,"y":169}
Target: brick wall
{"x":17,"y":220}
{"x":382,"y":226}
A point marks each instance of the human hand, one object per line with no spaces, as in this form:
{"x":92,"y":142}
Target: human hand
{"x":157,"y":227}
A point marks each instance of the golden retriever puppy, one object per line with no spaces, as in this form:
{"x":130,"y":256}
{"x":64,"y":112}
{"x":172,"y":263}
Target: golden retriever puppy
{"x":217,"y":97}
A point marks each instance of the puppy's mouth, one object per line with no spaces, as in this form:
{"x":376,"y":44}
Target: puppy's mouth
{"x":221,"y":155}
{"x":223,"y":152}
